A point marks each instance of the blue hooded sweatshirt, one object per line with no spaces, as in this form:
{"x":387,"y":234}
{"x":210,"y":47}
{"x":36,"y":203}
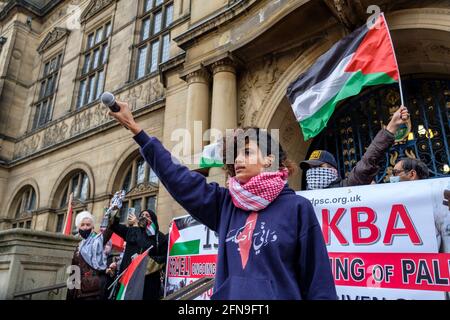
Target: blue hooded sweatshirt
{"x":287,"y":258}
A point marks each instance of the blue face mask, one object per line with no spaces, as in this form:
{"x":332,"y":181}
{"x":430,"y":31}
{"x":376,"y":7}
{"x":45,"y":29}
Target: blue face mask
{"x":395,"y":179}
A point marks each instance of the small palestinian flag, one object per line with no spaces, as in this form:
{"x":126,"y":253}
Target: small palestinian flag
{"x":212,"y":156}
{"x":179,"y":245}
{"x":151,"y":229}
{"x":132,"y":281}
{"x":364,"y":58}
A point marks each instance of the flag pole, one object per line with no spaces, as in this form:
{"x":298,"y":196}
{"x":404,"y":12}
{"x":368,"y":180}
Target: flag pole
{"x":396,"y":62}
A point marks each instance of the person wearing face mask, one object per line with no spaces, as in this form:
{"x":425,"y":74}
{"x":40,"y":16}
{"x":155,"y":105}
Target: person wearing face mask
{"x":409,"y":170}
{"x":90,"y":257}
{"x":142,"y":233}
{"x":321,"y":168}
{"x":271,"y":246}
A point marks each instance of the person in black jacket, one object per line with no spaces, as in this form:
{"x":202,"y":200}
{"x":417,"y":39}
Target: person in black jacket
{"x":139,"y":237}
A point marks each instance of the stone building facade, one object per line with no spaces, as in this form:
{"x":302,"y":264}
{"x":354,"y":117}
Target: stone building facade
{"x":226,"y":63}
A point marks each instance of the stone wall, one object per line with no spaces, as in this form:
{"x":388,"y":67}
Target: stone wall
{"x":32,"y":260}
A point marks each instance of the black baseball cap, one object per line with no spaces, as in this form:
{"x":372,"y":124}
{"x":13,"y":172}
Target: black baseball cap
{"x":318,"y":158}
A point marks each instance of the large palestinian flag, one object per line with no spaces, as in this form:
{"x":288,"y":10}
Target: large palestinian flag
{"x":364,"y":58}
{"x":132,"y":281}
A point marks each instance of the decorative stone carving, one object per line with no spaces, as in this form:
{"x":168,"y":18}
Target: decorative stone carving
{"x":440,"y":49}
{"x":351,"y":13}
{"x":138,"y":97}
{"x":28,"y":146}
{"x":76,"y":203}
{"x":142,"y":188}
{"x":52,"y":38}
{"x":17,"y":54}
{"x":75,"y":128}
{"x":55,"y":134}
{"x":70,"y":10}
{"x":224,"y":65}
{"x":135,"y":96}
{"x":256,"y":84}
{"x":198,"y":76}
{"x":156,"y":90}
{"x":100,"y":115}
{"x":95,"y":7}
{"x":407,"y":50}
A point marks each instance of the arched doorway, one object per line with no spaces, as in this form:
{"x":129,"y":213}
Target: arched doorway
{"x":422,"y":43}
{"x":357,"y":121}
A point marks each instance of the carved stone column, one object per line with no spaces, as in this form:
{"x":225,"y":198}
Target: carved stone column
{"x":224,"y":105}
{"x":197,"y":108}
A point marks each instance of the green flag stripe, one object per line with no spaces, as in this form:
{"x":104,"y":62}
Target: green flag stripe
{"x":210,"y":163}
{"x":314,"y":125}
{"x":185,"y":248}
{"x":121,"y":294}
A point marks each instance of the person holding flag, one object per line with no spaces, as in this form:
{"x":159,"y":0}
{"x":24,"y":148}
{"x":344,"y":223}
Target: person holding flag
{"x":90,"y":257}
{"x":143,"y":233}
{"x":270,"y":242}
{"x":321,"y":168}
{"x":364,"y":58}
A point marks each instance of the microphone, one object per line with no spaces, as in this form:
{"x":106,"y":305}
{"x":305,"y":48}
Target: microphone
{"x":109,"y":100}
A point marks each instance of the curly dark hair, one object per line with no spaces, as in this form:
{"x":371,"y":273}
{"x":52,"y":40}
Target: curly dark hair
{"x":264,"y":140}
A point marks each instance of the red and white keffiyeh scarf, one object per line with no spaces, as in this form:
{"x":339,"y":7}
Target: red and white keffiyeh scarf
{"x":259,"y":192}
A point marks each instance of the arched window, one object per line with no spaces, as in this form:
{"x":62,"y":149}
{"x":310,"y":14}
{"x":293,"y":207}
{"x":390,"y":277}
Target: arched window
{"x":141,"y":186}
{"x":78,"y":184}
{"x":24,"y":205}
{"x":357,"y":121}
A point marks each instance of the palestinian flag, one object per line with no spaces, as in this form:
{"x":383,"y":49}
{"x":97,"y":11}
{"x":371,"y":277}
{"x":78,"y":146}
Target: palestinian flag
{"x":151,"y":229}
{"x":212,"y":157}
{"x":132,"y":281}
{"x":67,"y":230}
{"x":178,"y":244}
{"x":364,"y":58}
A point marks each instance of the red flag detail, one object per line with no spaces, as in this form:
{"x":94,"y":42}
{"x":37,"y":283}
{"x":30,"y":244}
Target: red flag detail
{"x":174,"y":235}
{"x":376,"y":53}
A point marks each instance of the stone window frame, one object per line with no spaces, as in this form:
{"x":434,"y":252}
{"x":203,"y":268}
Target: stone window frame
{"x":44,"y":98}
{"x":24,"y":205}
{"x":79,"y":203}
{"x":146,"y":40}
{"x":141,"y":186}
{"x":103,"y":47}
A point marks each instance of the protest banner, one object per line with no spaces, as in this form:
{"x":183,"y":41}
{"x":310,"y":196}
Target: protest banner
{"x":192,"y":255}
{"x":387,"y":241}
